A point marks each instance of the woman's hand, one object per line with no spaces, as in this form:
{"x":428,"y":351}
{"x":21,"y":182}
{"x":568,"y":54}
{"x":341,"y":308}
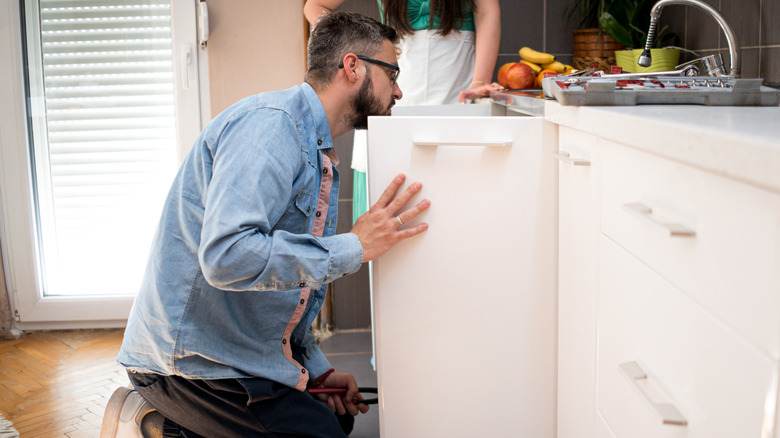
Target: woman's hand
{"x":478,"y":89}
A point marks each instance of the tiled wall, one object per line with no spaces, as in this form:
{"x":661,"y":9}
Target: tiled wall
{"x":542,"y":25}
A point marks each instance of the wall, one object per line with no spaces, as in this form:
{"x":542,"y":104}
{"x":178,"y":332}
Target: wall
{"x":543,"y":26}
{"x":754,"y":23}
{"x":254,"y":46}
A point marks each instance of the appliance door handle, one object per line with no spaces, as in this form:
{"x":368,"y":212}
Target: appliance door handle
{"x":564,"y":157}
{"x":645,"y":213}
{"x":668,"y":413}
{"x":496,"y":143}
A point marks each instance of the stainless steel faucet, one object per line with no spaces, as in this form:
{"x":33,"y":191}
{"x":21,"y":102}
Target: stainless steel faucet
{"x":645,"y":59}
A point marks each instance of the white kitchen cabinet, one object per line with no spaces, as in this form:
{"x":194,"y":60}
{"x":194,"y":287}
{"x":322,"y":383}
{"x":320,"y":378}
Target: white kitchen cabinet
{"x":602,"y":429}
{"x":701,"y":379}
{"x":578,"y":228}
{"x":728,"y":263}
{"x":687,"y":272}
{"x":465,"y":314}
{"x":688,"y":300}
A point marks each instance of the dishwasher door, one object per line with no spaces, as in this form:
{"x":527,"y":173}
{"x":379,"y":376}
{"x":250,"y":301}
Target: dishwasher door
{"x":465,"y":314}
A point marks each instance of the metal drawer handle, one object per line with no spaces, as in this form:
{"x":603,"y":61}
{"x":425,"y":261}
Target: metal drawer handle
{"x":564,"y":157}
{"x":668,"y":413}
{"x":646,"y":214}
{"x":462,"y":143}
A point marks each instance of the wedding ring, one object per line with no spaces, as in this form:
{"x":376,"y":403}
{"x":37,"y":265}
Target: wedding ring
{"x":399,"y":220}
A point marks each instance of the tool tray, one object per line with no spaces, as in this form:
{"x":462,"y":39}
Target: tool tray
{"x":633,"y":89}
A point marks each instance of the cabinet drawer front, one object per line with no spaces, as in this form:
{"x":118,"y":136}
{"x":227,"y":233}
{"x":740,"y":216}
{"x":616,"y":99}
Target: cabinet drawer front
{"x":714,"y":238}
{"x":717,"y":382}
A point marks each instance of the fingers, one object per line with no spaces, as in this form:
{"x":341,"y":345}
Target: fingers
{"x":411,"y":213}
{"x":391,"y":190}
{"x":477,"y":92}
{"x":407,"y":194}
{"x":352,"y":394}
{"x":351,"y":407}
{"x":378,"y":229}
{"x":338,"y":405}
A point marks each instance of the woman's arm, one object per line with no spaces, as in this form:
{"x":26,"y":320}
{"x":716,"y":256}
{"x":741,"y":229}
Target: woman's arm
{"x":313,"y":9}
{"x":487,"y":21}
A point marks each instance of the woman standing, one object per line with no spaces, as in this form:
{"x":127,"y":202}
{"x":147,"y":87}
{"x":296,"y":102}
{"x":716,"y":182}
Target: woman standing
{"x":448,"y":48}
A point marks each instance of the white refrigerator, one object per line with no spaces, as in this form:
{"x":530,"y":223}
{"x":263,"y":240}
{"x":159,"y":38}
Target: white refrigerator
{"x":464,"y":314}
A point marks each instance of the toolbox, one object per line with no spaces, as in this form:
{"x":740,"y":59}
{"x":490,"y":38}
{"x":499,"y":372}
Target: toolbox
{"x":636,"y":89}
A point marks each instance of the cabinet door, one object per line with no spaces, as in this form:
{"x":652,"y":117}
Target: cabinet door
{"x":577,"y":237}
{"x":465,"y":315}
{"x":663,"y":360}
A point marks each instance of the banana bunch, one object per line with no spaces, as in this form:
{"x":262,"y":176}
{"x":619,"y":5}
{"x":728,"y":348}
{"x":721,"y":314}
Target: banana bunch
{"x":539,"y":61}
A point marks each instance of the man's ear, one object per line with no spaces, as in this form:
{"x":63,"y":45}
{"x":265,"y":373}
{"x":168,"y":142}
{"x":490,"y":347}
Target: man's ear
{"x":350,"y":66}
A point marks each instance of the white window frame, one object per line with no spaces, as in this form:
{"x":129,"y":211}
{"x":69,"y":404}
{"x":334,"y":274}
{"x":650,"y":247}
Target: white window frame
{"x":17,"y":213}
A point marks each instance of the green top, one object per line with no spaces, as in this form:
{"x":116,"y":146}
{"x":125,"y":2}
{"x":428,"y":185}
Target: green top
{"x":419,"y":12}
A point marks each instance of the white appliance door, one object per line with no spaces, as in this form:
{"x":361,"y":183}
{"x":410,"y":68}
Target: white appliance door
{"x":465,"y":314}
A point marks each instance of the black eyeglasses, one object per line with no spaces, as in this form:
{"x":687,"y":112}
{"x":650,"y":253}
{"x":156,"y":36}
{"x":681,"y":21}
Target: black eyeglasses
{"x":394,"y":69}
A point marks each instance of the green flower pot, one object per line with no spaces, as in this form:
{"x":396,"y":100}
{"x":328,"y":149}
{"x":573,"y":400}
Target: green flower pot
{"x":663,"y":60}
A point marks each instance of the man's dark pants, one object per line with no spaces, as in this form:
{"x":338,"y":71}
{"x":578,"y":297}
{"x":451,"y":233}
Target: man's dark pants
{"x":238,"y":408}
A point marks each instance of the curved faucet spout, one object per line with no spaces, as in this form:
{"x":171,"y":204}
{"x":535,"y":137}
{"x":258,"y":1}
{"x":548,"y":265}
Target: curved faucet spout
{"x":731,"y":38}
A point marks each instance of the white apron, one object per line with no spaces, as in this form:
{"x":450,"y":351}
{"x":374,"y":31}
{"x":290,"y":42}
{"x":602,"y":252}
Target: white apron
{"x":434,"y":69}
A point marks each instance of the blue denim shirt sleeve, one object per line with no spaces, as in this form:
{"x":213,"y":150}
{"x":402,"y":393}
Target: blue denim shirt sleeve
{"x":250,"y":191}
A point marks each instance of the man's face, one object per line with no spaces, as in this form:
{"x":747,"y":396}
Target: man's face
{"x":365,"y":103}
{"x":375,"y":101}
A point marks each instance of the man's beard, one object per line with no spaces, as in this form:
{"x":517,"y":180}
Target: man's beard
{"x":365,"y":104}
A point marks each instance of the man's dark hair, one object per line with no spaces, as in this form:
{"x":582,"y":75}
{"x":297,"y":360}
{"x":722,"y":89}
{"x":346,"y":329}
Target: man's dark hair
{"x":337,"y":34}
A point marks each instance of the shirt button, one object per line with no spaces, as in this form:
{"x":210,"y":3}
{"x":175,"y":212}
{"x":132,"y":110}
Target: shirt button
{"x":303,"y":370}
{"x":318,"y":214}
{"x":284,"y":341}
{"x":325,"y":171}
{"x":319,"y":142}
{"x":301,"y":284}
{"x":302,"y":301}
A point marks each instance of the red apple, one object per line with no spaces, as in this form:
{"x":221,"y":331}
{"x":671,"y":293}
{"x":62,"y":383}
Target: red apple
{"x":502,"y":73}
{"x":520,"y":76}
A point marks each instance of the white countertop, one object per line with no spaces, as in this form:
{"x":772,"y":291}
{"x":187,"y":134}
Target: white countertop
{"x":738,"y":142}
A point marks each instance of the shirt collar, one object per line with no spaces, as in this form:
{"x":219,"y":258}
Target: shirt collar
{"x":321,"y":127}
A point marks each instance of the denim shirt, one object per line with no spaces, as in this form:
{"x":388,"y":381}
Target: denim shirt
{"x":245,"y":248}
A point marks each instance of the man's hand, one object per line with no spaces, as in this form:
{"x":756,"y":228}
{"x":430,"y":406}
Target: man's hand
{"x":380,"y":229}
{"x":342,"y":404}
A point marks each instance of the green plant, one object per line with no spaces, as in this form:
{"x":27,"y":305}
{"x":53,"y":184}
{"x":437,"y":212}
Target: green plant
{"x":587,"y":12}
{"x":628,"y":21}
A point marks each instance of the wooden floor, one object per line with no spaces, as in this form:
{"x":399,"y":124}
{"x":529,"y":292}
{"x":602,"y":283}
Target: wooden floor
{"x":57,"y":383}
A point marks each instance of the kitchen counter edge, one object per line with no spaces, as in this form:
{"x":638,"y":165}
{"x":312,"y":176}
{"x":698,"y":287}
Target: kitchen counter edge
{"x":737,"y":142}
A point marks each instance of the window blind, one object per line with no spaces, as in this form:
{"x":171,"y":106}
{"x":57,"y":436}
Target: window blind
{"x":110,"y":144}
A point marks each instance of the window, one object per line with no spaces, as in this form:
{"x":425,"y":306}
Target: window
{"x":113,"y":104}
